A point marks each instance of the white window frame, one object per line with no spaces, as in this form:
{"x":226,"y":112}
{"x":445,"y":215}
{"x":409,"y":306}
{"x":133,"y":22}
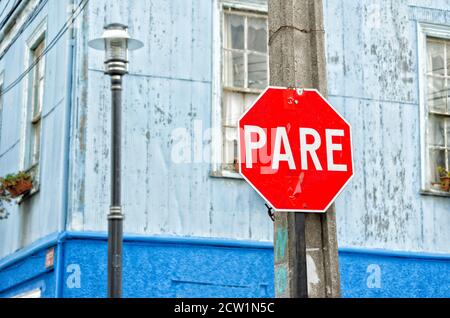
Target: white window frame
{"x":219,"y":6}
{"x":39,"y":34}
{"x":426,"y":30}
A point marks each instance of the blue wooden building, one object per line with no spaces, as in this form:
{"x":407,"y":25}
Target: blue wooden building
{"x":193,"y":227}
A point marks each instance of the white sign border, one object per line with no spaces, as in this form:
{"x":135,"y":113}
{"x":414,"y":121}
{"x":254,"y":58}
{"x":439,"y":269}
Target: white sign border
{"x":251,"y":184}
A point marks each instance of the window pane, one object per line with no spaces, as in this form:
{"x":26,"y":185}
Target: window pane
{"x":41,"y":69}
{"x":41,"y":94}
{"x":257,"y":35}
{"x":437,"y":159}
{"x":250,"y":100}
{"x":436,"y":64}
{"x":234,"y":31}
{"x":38,"y":51}
{"x":437,"y":94}
{"x":230,"y":149}
{"x":234,"y":69}
{"x":448,"y":59}
{"x":244,"y":66}
{"x":36,"y":143}
{"x":38,"y":86}
{"x":448,"y":132}
{"x":35,"y":107}
{"x":233,"y":108}
{"x":436,"y":131}
{"x":257,"y":71}
{"x":39,"y":98}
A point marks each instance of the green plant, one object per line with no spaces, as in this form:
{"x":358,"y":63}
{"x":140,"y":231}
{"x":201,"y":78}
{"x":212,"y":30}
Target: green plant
{"x":10,"y":187}
{"x":13,"y":179}
{"x":445,"y":178}
{"x":443,"y":173}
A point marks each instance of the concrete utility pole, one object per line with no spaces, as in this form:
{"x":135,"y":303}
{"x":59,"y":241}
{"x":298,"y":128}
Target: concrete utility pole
{"x":306,"y":255}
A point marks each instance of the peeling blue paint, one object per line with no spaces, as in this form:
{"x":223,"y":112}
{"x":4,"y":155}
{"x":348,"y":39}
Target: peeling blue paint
{"x":282,"y":236}
{"x":373,"y":81}
{"x":281,"y":280}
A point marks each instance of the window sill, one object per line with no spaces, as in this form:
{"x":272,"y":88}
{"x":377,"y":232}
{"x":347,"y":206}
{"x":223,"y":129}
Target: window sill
{"x":243,"y":90}
{"x":226,"y":174}
{"x":27,"y":196}
{"x":435,"y":193}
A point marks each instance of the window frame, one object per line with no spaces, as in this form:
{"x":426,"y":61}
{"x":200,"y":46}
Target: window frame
{"x":36,"y":105}
{"x":257,"y":9}
{"x":38,"y":37}
{"x":425,"y":31}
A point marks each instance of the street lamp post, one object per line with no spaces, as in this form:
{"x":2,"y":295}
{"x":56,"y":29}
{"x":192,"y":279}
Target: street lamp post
{"x":116,"y":43}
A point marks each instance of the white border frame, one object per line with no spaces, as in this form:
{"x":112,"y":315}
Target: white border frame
{"x":424,"y":30}
{"x":39,"y":33}
{"x":351,"y":150}
{"x":217,"y":74}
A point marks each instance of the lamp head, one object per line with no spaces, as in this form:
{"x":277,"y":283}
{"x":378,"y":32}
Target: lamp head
{"x":116,"y":42}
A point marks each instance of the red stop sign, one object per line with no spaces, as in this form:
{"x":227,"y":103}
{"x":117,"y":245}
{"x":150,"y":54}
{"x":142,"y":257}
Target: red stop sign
{"x":295,"y":150}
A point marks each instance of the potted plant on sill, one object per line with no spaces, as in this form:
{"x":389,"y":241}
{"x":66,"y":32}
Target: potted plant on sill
{"x":13,"y":186}
{"x":17,"y":184}
{"x":445,"y":179}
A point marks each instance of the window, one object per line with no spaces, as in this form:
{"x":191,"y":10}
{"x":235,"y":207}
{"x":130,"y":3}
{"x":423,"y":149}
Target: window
{"x":35,"y":102}
{"x":435,"y":109}
{"x":244,"y":75}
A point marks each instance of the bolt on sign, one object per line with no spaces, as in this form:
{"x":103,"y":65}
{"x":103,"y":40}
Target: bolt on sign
{"x":295,"y":150}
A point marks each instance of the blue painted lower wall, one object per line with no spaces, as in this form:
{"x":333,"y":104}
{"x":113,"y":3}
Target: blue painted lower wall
{"x":157,"y":269}
{"x":178,"y":267}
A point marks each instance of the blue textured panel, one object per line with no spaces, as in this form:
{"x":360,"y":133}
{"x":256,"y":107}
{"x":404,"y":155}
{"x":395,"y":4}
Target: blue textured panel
{"x":28,"y":274}
{"x":179,"y":267}
{"x":366,"y":275}
{"x":45,"y":282}
{"x":171,"y":270}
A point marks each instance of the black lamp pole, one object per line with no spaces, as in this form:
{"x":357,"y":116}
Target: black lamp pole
{"x":115,"y":216}
{"x":116,"y":43}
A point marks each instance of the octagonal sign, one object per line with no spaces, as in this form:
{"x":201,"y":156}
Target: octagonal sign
{"x":295,"y":150}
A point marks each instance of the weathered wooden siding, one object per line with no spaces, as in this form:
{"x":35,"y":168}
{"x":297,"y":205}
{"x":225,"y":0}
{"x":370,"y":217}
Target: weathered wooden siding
{"x":373,"y":80}
{"x":169,"y":87}
{"x":44,"y":212}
